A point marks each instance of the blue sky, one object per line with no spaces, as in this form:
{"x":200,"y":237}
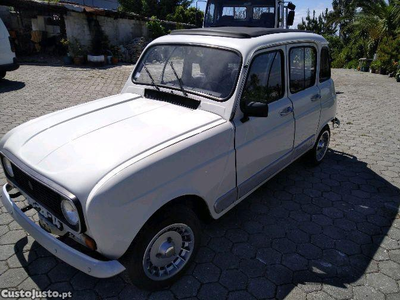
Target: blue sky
{"x":301,"y":7}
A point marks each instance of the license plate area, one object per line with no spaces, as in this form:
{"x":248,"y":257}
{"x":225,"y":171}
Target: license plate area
{"x":44,"y":213}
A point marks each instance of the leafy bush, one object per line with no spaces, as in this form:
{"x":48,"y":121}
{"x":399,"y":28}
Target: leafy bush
{"x":389,"y":53}
{"x":155,"y":27}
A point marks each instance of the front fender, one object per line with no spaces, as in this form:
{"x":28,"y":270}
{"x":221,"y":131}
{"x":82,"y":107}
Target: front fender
{"x":202,"y":165}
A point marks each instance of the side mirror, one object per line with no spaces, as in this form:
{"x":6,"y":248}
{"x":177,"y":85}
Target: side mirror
{"x":290,"y":18}
{"x":254,"y":109}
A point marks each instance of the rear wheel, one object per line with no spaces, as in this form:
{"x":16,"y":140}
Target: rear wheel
{"x":2,"y":74}
{"x":164,"y":248}
{"x":318,"y":153}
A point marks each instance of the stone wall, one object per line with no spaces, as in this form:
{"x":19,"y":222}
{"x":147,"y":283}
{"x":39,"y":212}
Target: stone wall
{"x":119,"y":31}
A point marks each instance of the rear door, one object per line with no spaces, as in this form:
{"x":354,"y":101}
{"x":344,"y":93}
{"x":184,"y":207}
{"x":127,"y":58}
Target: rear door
{"x":327,"y":88}
{"x":305,"y":95}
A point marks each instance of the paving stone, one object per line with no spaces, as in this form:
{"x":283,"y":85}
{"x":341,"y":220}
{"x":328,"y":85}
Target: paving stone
{"x":220,"y":244}
{"x":252,"y":267}
{"x":367,"y":292}
{"x":162,"y":295}
{"x":336,"y":289}
{"x":391,"y":269}
{"x":244,"y":250}
{"x":294,"y":261}
{"x":38,"y":282}
{"x":206,"y":273}
{"x":226,"y":261}
{"x":382,"y":282}
{"x":335,"y":232}
{"x":12,"y":237}
{"x":186,"y":287}
{"x":347,"y":247}
{"x":212,"y":291}
{"x":269,"y":256}
{"x":290,"y":292}
{"x":240,"y":295}
{"x":261,"y":288}
{"x":309,"y":251}
{"x":62,"y":272}
{"x":395,"y":255}
{"x":85,"y":295}
{"x":322,"y":241}
{"x":279,"y":274}
{"x":82,"y":281}
{"x":6,"y":251}
{"x":109,"y":287}
{"x":320,"y":295}
{"x":284,"y":245}
{"x":233,"y":280}
{"x":204,"y":255}
{"x":335,"y":257}
{"x":12,"y":278}
{"x":237,"y":235}
{"x":42,"y":265}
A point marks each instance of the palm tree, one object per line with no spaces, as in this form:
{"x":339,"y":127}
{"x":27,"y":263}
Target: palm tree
{"x":380,"y":17}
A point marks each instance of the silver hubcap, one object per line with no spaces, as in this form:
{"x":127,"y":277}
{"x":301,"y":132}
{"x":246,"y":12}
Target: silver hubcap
{"x":322,"y":145}
{"x":168,"y":252}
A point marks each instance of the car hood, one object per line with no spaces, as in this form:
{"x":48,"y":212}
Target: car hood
{"x":78,"y":146}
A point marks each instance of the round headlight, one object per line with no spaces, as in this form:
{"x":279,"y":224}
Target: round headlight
{"x":70,"y":212}
{"x":8,"y":166}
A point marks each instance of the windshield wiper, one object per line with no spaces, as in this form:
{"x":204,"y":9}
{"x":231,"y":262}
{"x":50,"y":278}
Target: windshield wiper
{"x":153,"y":83}
{"x":177,"y":77}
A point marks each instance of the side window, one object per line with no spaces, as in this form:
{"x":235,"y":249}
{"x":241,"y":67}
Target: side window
{"x":325,"y":71}
{"x":210,"y":13}
{"x":303,"y":66}
{"x":265,"y":79}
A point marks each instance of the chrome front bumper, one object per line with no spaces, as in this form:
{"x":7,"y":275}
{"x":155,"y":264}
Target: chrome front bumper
{"x":83,"y":262}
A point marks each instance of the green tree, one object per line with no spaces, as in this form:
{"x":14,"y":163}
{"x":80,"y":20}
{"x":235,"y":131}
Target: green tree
{"x":135,"y":6}
{"x":342,"y":16}
{"x":189,"y":15}
{"x":320,"y":24}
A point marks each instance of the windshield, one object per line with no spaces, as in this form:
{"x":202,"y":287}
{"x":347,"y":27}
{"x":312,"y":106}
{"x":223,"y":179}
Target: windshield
{"x":191,"y":69}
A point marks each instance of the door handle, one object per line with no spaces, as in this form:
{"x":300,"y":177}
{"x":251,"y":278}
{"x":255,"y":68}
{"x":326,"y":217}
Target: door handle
{"x":316,"y":97}
{"x":288,"y":110}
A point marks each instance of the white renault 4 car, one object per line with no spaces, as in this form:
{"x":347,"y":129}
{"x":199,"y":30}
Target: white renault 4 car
{"x":207,"y":116}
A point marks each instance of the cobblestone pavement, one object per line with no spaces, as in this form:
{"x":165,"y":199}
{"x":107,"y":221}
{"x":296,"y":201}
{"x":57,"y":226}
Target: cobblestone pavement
{"x":316,"y":233}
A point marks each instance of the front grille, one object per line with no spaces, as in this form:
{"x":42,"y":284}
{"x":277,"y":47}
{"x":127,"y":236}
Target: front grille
{"x":39,"y":192}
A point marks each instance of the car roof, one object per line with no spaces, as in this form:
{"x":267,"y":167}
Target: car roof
{"x":234,"y":32}
{"x":269,"y":38}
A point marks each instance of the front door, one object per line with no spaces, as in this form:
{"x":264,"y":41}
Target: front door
{"x":305,"y":95}
{"x":264,"y":144}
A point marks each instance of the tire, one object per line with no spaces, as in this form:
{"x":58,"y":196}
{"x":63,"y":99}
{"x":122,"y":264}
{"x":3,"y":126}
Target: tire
{"x":318,"y":152}
{"x":2,"y":74}
{"x":155,"y":247}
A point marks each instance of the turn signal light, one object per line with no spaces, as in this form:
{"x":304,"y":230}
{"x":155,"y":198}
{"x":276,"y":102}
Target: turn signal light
{"x":90,"y":243}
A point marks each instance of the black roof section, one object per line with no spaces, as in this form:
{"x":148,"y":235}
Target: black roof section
{"x":234,"y":32}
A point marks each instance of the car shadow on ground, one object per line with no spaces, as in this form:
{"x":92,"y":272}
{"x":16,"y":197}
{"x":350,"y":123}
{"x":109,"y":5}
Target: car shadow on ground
{"x":10,"y":85}
{"x":307,"y":227}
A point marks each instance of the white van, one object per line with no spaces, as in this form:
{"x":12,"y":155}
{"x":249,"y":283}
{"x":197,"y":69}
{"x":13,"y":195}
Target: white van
{"x":8,"y":61}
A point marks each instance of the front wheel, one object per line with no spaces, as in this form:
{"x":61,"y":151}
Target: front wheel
{"x":318,"y":153}
{"x":164,"y":249}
